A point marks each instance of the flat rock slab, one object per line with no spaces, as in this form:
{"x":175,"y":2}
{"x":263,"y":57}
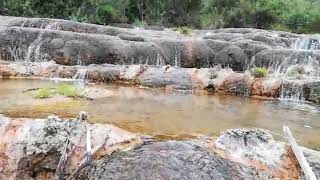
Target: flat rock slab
{"x":169,"y":160}
{"x":31,"y":148}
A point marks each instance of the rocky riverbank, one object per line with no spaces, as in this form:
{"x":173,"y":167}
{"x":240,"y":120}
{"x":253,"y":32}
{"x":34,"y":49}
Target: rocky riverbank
{"x":32,"y":148}
{"x":213,"y":80}
{"x":215,"y":60}
{"x":72,"y":43}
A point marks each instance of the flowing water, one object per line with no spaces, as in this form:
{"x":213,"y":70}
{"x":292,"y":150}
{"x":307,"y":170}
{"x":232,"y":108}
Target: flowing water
{"x":168,"y":115}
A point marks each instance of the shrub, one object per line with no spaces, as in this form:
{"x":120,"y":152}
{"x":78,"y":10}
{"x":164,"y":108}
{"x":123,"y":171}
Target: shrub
{"x":68,"y":90}
{"x":183,"y":30}
{"x":42,"y":93}
{"x":259,"y":72}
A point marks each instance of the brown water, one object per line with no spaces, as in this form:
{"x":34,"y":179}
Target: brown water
{"x":168,"y":115}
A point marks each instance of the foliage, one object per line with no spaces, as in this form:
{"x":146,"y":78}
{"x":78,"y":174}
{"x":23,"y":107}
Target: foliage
{"x":300,"y":16}
{"x":42,"y":93}
{"x":68,"y":90}
{"x":259,"y":72}
{"x":183,"y":30}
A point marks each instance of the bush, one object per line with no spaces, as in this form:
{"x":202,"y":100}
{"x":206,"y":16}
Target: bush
{"x":68,"y":90}
{"x":183,"y":30}
{"x":259,"y":72}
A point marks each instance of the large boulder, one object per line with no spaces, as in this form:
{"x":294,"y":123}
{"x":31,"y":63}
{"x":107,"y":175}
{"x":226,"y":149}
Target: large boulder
{"x":32,"y":148}
{"x":169,"y":160}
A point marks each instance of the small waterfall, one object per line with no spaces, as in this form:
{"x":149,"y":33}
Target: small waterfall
{"x":292,"y":90}
{"x":295,"y":71}
{"x":34,"y":49}
{"x":307,"y":44}
{"x":81,"y":77}
{"x":177,"y":58}
{"x":160,"y":61}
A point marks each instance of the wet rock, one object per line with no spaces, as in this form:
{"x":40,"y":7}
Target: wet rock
{"x":237,"y":84}
{"x":268,"y":87}
{"x":169,"y":160}
{"x":313,"y":158}
{"x":312,"y":91}
{"x":31,"y":148}
{"x":73,"y":43}
{"x":6,"y":71}
{"x":162,"y":77}
{"x":257,"y":148}
{"x":104,"y":73}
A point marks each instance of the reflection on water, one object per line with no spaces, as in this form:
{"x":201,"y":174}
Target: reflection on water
{"x":163,"y":114}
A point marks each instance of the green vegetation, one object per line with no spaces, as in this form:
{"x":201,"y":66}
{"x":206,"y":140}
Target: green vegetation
{"x":183,"y":30}
{"x":42,"y":93}
{"x":290,"y":15}
{"x":67,"y":90}
{"x":259,"y":72}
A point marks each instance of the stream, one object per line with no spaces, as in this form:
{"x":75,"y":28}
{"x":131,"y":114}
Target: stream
{"x":168,"y":115}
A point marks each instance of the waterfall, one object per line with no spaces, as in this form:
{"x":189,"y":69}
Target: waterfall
{"x":299,"y":70}
{"x":33,"y":51}
{"x":177,"y":57}
{"x":307,"y":44}
{"x":81,"y":77}
{"x":292,"y":90}
{"x":160,"y":61}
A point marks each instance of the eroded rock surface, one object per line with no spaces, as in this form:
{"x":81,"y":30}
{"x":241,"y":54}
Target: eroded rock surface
{"x":32,"y":148}
{"x":169,"y":160}
{"x":72,"y":43}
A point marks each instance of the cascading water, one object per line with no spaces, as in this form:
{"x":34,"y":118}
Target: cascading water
{"x":177,"y":57}
{"x":307,"y":44}
{"x":81,"y":78}
{"x":35,"y":47}
{"x":159,"y":61}
{"x":298,"y":71}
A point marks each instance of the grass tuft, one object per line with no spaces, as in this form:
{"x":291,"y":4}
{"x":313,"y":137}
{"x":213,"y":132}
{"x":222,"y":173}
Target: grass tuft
{"x":259,"y":72}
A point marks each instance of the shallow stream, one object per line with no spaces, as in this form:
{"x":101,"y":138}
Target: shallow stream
{"x":168,"y":115}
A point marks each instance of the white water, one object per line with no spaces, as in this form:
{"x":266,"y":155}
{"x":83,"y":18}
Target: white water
{"x":295,"y":73}
{"x":307,"y":44}
{"x":81,"y":77}
{"x":35,"y":47}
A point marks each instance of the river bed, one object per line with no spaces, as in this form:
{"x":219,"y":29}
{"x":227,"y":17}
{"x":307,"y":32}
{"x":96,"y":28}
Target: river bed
{"x":168,"y":115}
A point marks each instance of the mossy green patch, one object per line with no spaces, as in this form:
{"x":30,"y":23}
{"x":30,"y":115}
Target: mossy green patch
{"x":42,"y":93}
{"x":68,"y":90}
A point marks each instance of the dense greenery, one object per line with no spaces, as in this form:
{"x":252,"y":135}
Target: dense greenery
{"x":291,"y":15}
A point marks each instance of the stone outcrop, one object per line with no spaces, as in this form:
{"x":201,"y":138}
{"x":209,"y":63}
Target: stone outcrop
{"x":72,"y":43}
{"x":32,"y":148}
{"x":169,"y":160}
